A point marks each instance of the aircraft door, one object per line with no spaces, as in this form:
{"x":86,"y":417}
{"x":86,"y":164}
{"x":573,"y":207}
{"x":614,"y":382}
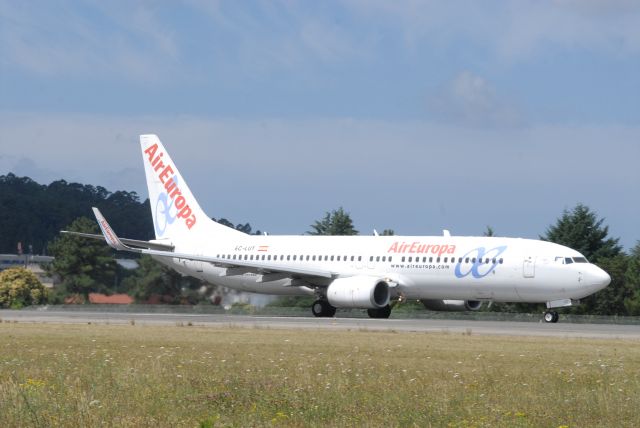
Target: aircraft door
{"x":529,"y":267}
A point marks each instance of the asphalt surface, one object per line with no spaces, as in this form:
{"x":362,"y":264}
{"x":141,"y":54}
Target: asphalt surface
{"x":507,"y":328}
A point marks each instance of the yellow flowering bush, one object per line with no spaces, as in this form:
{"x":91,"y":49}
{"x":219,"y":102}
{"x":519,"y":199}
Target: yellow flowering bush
{"x":20,"y":287}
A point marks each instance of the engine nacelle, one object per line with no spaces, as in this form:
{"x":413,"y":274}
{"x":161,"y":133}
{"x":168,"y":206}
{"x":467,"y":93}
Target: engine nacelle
{"x":359,"y":291}
{"x":452,"y":305}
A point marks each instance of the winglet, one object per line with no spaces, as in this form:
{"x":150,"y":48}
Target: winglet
{"x":109,"y":235}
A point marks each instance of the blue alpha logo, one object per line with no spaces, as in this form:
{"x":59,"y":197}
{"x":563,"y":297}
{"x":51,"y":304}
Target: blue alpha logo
{"x":479,"y":262}
{"x":166,"y":213}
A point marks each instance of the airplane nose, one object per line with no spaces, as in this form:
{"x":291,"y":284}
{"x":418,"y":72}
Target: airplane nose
{"x":598,"y":278}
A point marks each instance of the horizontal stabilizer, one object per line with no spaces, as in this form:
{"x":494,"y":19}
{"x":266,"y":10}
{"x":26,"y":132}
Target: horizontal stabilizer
{"x":130,"y":242}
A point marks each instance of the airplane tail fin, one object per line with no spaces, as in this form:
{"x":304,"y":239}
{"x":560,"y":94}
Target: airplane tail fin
{"x":176,"y":213}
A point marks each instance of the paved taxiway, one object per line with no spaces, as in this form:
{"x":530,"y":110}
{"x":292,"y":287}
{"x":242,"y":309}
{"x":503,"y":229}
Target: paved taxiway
{"x":510,"y":328}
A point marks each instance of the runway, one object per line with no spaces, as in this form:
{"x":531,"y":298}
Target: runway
{"x":506,"y":328}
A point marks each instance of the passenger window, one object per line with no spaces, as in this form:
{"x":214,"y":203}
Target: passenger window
{"x":493,"y":261}
{"x":338,"y":258}
{"x":445,"y":259}
{"x":466,"y":260}
{"x":359,"y":258}
{"x":377,"y":258}
{"x":352,"y":258}
{"x":370,"y":258}
{"x":389,"y":258}
{"x":473,"y":260}
{"x":438,"y":260}
{"x":402,"y":259}
{"x":500,"y":261}
{"x":430,"y":259}
{"x":384,"y":258}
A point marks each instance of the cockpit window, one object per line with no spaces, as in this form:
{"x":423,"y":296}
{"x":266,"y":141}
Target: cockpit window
{"x":580,"y":260}
{"x":567,"y":260}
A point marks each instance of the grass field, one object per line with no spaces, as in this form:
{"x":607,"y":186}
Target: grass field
{"x":92,"y":375}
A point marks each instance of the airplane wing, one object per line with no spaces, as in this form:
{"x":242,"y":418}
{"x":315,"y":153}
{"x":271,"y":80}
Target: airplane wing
{"x":245,"y":266}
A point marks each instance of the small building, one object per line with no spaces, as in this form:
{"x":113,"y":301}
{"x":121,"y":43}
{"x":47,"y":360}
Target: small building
{"x":114,"y":299}
{"x":31,"y":262}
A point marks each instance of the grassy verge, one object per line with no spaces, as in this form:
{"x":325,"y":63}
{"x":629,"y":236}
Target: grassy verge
{"x":90,"y":375}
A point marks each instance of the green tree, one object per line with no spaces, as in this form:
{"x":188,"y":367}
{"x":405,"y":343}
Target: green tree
{"x":244,"y":228}
{"x":35,"y":213}
{"x":581,"y":230}
{"x":632,"y":279}
{"x":152,"y":278}
{"x":488,"y":232}
{"x":610,"y":300}
{"x":336,"y":222}
{"x":20,"y":287}
{"x":388,"y":232}
{"x":84,"y":265}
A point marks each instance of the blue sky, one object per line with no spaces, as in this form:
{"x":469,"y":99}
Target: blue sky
{"x":413,"y":115}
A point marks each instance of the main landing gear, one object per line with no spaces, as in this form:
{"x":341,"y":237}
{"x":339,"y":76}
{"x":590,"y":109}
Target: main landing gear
{"x":379,"y":313}
{"x":551,"y":316}
{"x":322,"y":308}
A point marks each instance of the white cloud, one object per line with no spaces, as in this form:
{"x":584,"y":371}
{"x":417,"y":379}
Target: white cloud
{"x":469,"y":99}
{"x":144,"y":42}
{"x":513,"y":30}
{"x":58,"y":39}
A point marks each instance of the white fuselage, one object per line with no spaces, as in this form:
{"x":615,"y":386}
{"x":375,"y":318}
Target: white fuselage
{"x":419,"y":267}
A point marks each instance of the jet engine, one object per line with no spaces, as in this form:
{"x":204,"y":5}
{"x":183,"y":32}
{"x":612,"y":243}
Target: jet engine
{"x":452,"y":305}
{"x":359,"y":291}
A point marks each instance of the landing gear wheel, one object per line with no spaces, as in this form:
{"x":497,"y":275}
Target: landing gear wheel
{"x":322,"y":308}
{"x":380,"y":312}
{"x":551,"y":316}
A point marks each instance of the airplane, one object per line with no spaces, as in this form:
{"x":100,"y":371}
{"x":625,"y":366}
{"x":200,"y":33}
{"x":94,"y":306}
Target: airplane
{"x":451,"y":273}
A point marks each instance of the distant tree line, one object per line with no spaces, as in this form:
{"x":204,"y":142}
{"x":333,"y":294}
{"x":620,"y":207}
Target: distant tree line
{"x":34,"y":214}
